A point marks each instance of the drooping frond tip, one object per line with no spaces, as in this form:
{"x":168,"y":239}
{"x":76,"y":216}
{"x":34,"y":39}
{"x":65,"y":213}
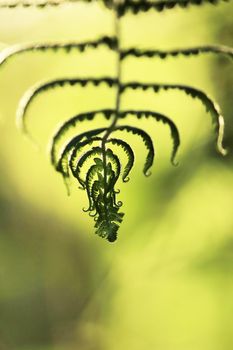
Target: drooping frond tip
{"x":99,"y":183}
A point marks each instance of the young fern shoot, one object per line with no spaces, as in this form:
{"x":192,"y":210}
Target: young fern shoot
{"x":89,"y":156}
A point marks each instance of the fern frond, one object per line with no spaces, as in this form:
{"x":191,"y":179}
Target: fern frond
{"x":214,"y":49}
{"x":129,"y":153}
{"x":147,"y":142}
{"x":135,"y":7}
{"x":30,"y":95}
{"x":164,"y":119}
{"x":88,"y":156}
{"x":9,"y":52}
{"x":210,"y":105}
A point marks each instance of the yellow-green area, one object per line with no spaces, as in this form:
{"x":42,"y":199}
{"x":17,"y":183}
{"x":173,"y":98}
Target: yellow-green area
{"x":167,"y":282}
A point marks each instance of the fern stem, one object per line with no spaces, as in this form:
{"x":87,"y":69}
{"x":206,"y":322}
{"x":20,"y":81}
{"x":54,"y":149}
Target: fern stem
{"x":117,"y":106}
{"x":118,"y":51}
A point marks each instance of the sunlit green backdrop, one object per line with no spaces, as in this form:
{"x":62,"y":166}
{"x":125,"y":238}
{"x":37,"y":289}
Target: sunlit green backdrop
{"x":167,"y":282}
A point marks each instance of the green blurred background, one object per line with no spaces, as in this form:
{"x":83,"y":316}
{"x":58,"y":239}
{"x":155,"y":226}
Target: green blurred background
{"x":166,"y":284}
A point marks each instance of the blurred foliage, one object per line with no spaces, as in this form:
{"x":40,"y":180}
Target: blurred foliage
{"x":167,"y":283}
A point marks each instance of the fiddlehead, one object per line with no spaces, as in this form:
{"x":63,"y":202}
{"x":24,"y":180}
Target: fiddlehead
{"x":91,"y":157}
